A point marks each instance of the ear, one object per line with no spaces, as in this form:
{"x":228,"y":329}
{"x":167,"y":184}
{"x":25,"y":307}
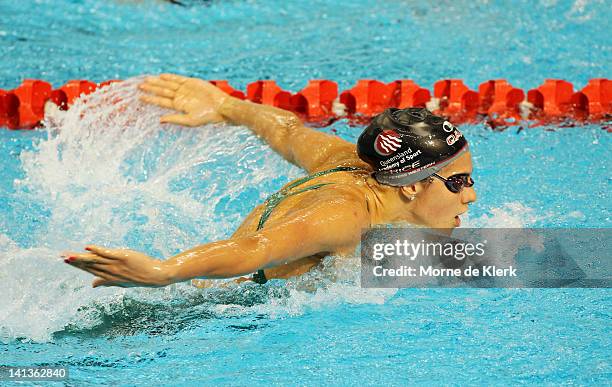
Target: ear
{"x":412,"y":190}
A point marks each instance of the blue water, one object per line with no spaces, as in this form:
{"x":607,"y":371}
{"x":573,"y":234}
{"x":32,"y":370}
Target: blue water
{"x":161,"y":190}
{"x":293,"y":41}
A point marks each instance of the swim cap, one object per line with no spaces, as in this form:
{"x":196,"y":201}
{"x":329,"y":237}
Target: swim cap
{"x":408,"y":145}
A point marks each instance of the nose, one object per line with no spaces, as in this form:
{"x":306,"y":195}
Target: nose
{"x":468,"y":195}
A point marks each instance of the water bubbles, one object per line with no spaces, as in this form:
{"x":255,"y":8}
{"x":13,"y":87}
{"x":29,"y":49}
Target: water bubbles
{"x":104,"y":175}
{"x":510,"y":215}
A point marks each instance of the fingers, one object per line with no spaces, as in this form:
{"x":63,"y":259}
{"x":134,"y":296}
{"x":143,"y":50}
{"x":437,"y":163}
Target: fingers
{"x":103,"y":282}
{"x":84,"y":258}
{"x":107,"y":272}
{"x":108,"y":281}
{"x":158,"y":91}
{"x":180,"y":119}
{"x":156,"y":81}
{"x":159,"y":101}
{"x":106,"y":252}
{"x":104,"y":263}
{"x":92,"y":268}
{"x":174,"y":78}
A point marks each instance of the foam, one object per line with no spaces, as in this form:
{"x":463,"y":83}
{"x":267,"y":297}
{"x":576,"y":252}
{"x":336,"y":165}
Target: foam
{"x":6,"y":243}
{"x":110,"y":174}
{"x":509,"y":215}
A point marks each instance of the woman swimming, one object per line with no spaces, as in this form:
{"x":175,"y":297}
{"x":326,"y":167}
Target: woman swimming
{"x":409,"y":166}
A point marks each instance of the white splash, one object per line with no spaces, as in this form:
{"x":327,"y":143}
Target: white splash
{"x":510,"y":215}
{"x":108,"y":174}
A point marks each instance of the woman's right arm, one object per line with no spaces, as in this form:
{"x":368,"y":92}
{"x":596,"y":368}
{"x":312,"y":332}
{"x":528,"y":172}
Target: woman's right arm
{"x":202,"y":103}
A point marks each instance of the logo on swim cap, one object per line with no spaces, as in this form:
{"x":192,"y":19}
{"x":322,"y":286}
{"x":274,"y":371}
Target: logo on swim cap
{"x":448,"y":127}
{"x":387,"y":142}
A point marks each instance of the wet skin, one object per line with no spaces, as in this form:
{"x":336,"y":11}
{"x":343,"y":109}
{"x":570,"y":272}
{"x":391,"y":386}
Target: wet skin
{"x":303,"y":228}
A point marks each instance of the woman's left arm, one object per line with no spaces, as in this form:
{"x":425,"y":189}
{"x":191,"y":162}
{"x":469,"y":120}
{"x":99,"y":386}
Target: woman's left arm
{"x":322,"y":227}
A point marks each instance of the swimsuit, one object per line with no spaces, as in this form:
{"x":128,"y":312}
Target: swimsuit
{"x":278,"y":197}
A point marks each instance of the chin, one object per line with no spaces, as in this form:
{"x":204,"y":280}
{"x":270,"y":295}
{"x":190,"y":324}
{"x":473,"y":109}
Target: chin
{"x":456,"y":221}
{"x":445,"y":230}
{"x":450,"y":225}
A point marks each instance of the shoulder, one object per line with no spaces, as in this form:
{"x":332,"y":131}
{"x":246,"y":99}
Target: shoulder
{"x":338,"y":221}
{"x":344,"y":155}
{"x":335,"y":212}
{"x":345,"y":208}
{"x":331,"y":223}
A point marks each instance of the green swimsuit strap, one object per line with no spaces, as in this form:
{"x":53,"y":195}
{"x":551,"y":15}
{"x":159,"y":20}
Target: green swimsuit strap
{"x":279,"y":196}
{"x":275,"y":199}
{"x":317,"y":174}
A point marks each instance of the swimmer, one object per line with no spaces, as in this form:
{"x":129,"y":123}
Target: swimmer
{"x":409,"y":166}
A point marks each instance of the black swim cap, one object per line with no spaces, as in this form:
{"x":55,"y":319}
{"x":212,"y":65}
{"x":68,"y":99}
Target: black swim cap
{"x":408,"y":145}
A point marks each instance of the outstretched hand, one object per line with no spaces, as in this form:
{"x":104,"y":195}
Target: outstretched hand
{"x":120,"y":267}
{"x":197,"y":100}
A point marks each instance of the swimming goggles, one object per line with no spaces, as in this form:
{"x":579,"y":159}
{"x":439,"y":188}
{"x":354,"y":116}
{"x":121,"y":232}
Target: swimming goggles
{"x":455,"y":183}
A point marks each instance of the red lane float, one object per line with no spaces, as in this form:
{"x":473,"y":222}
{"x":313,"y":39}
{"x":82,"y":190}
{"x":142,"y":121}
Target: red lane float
{"x":109,"y":82}
{"x":556,"y":100}
{"x":9,"y":110}
{"x":406,"y":93}
{"x":225,"y":86}
{"x":32,"y":96}
{"x":59,"y":98}
{"x":68,"y":93}
{"x":367,"y":98}
{"x":497,"y":102}
{"x":316,"y":100}
{"x":552,"y":99}
{"x":456,"y":100}
{"x":595,"y":98}
{"x":265,"y":92}
{"x":24,"y":107}
{"x":74,"y":89}
{"x":499,"y":99}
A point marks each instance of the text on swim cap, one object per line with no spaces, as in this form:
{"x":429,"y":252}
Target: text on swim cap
{"x":453,"y":137}
{"x":405,"y":156}
{"x":396,"y":157}
{"x":455,"y":133}
{"x":448,"y":127}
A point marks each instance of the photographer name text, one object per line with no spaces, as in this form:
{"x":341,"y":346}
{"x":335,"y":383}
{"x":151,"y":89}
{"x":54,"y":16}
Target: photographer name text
{"x":430,"y":271}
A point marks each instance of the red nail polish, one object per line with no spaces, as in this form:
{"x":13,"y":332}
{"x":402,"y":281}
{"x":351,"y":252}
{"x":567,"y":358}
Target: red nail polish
{"x":66,"y":261}
{"x":87,"y":248}
{"x":71,"y":258}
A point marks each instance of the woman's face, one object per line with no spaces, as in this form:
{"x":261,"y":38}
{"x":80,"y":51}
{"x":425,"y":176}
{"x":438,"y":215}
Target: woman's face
{"x":436,"y":206}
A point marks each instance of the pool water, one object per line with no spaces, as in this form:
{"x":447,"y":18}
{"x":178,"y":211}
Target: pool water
{"x":123,"y":180}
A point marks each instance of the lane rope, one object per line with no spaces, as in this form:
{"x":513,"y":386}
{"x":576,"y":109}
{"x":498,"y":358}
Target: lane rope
{"x":496,"y":102}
